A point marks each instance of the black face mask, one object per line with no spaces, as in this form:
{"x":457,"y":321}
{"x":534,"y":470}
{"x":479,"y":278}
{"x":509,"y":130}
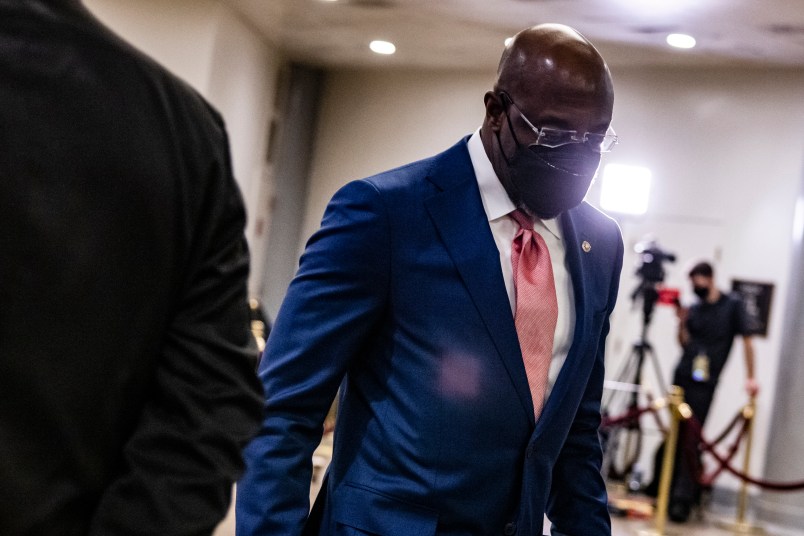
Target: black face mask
{"x":701,"y":292}
{"x":549,"y":181}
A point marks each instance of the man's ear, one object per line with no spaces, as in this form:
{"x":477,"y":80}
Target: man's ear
{"x":495,"y":110}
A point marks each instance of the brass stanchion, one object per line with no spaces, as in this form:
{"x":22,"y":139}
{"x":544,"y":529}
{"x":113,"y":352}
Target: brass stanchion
{"x":257,"y":326}
{"x":679,"y":410}
{"x":258,"y":331}
{"x":740,"y":525}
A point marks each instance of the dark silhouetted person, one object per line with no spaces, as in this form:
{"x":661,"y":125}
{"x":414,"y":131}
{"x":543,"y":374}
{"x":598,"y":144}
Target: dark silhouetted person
{"x":462,"y":303}
{"x":126,"y":382}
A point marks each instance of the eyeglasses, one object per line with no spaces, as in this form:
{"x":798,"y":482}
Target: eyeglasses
{"x":554,"y":137}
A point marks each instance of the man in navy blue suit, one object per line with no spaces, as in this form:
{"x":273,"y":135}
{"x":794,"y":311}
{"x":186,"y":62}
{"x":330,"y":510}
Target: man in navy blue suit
{"x":406,"y":299}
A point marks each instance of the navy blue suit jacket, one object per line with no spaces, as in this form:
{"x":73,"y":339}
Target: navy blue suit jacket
{"x":400,"y":298}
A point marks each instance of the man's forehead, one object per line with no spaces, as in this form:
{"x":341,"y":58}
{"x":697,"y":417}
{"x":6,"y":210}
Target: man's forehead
{"x":565,"y":81}
{"x":555,"y":98}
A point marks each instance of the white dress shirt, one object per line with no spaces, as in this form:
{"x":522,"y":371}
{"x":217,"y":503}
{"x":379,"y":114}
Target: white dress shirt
{"x":498,"y":205}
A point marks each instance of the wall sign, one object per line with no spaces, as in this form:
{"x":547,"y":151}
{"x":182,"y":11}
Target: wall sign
{"x":756,"y":299}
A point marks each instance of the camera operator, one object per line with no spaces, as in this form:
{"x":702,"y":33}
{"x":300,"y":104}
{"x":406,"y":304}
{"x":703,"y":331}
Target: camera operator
{"x":706,"y":331}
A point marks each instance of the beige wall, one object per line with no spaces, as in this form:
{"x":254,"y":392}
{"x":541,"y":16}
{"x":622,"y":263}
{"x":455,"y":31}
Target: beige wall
{"x":179,"y":34}
{"x":373,"y":120}
{"x":724,"y":147}
{"x":242,"y":84}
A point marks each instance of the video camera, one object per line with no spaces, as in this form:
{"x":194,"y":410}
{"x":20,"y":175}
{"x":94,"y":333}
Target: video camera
{"x":651,"y":260}
{"x":650,"y":270}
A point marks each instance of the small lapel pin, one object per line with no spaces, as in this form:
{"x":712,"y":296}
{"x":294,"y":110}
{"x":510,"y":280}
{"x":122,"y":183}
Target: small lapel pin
{"x":586,"y":246}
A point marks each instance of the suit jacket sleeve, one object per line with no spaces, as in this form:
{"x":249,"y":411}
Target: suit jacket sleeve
{"x":205,"y":403}
{"x":578,"y":502}
{"x":328,"y":314}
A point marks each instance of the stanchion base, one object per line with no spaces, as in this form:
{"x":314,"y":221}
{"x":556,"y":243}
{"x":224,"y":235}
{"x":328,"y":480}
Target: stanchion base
{"x":740,"y":527}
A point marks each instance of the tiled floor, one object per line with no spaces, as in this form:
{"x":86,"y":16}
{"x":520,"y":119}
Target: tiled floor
{"x":624,"y":527}
{"x":715,"y":520}
{"x":706,"y":527}
{"x":701,"y":523}
{"x":629,"y":527}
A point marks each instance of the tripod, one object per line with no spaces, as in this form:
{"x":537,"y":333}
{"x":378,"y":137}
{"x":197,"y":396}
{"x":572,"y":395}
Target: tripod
{"x":624,"y":444}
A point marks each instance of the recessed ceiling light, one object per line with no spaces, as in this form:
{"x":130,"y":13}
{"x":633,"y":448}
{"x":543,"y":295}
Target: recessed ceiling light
{"x":382,"y":47}
{"x":680,"y":40}
{"x":508,"y":40}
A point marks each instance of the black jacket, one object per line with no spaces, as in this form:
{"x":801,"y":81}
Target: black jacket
{"x":126,"y":381}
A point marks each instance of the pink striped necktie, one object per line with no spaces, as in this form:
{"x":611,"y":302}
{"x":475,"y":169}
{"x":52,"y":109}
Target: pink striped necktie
{"x":536,"y":305}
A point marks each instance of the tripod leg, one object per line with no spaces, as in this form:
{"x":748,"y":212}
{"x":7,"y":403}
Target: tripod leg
{"x":624,"y":375}
{"x":663,"y":387}
{"x":624,"y":443}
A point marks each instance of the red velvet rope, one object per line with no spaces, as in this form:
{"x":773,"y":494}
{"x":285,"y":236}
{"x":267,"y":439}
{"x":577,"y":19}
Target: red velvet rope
{"x":695,"y":425}
{"x":628,"y":417}
{"x":724,"y":462}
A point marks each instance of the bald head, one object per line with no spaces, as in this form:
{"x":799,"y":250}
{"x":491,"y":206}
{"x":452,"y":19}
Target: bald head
{"x":550,"y":79}
{"x":556,"y":78}
{"x":552,"y":58}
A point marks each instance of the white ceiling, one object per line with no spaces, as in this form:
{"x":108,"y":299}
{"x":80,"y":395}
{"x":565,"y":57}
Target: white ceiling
{"x":469,"y":34}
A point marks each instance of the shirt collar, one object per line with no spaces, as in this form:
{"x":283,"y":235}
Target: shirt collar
{"x":495,"y":199}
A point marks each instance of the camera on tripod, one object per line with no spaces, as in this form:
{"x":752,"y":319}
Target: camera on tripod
{"x":650,"y":270}
{"x":623,"y":445}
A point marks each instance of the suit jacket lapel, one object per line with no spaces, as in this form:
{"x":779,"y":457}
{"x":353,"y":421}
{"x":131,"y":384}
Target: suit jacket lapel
{"x":568,"y":372}
{"x":458,"y":214}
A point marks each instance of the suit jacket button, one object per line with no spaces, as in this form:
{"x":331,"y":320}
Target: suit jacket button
{"x":510,"y":529}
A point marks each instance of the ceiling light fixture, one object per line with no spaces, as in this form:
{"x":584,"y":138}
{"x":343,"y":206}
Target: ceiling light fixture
{"x":382,"y":47}
{"x":508,"y":40}
{"x":681,"y":40}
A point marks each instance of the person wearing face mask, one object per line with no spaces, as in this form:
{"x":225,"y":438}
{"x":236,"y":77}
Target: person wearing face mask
{"x":461,"y":303}
{"x":706,"y":331}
